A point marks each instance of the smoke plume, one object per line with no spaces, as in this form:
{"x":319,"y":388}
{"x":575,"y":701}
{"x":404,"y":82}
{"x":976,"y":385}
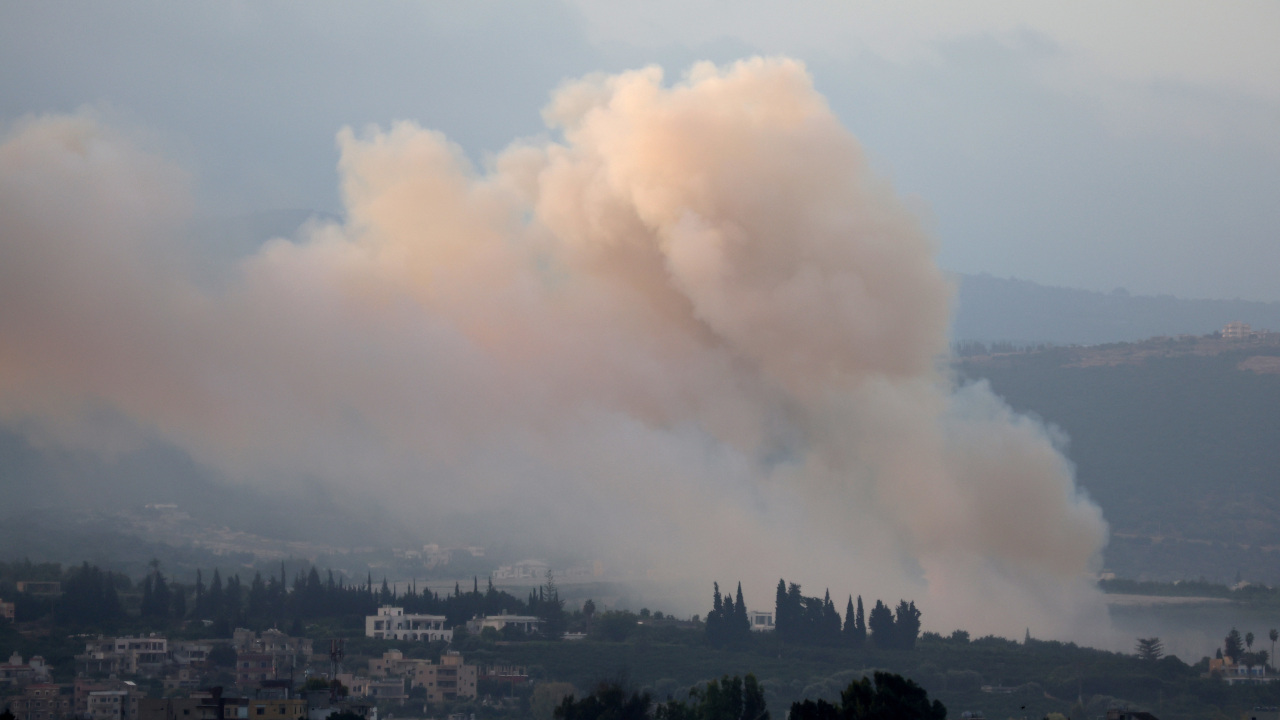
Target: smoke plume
{"x":694,"y":336}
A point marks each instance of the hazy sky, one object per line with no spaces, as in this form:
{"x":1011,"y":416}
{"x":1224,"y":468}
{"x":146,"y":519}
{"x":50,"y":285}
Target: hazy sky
{"x":1089,"y":144}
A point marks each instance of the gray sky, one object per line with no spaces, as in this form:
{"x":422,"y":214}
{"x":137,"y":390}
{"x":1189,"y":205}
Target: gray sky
{"x":1092,"y":145}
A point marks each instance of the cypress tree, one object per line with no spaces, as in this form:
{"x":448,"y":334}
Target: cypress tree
{"x":715,"y":618}
{"x":860,"y":629}
{"x":781,"y":621}
{"x":741,"y":623}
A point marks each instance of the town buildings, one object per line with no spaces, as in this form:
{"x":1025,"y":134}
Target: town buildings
{"x":450,"y":679}
{"x":15,"y":672}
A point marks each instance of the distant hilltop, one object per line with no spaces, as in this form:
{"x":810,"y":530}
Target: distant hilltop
{"x":1020,"y":312}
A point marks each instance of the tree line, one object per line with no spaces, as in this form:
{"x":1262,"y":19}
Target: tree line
{"x":815,"y":621}
{"x":95,"y":598}
{"x":888,"y":697}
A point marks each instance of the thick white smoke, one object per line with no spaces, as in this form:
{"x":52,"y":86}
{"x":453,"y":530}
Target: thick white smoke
{"x":696,"y":336}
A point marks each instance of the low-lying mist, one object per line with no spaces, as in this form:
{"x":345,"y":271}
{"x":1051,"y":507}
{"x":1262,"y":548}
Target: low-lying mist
{"x":693,"y":337}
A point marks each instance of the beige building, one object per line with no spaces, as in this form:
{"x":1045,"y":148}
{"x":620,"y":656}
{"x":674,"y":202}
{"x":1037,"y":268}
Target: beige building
{"x":451,"y":680}
{"x":113,"y":705}
{"x":43,"y":701}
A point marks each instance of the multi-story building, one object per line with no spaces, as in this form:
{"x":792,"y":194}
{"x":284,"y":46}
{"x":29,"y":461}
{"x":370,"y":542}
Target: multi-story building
{"x":273,"y":642}
{"x":85,"y":686}
{"x":114,"y":704}
{"x":123,"y":656}
{"x":43,"y":701}
{"x":185,"y":653}
{"x":391,"y":623}
{"x":8,"y":610}
{"x":255,"y":668}
{"x":393,"y":663}
{"x":1236,"y":331}
{"x":451,"y":680}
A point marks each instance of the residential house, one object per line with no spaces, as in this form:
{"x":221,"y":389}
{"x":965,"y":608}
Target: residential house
{"x":761,"y":620}
{"x":528,"y":624}
{"x":18,"y":673}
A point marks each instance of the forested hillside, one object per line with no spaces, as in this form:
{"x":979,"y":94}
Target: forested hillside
{"x":1177,"y":439}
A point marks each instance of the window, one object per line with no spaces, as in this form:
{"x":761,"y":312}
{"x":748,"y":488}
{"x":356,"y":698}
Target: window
{"x":262,"y":710}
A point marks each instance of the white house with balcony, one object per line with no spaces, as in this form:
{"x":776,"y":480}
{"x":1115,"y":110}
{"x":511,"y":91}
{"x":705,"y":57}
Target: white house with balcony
{"x":391,"y":623}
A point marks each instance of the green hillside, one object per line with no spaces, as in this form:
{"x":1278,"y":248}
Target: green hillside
{"x":1177,"y":439}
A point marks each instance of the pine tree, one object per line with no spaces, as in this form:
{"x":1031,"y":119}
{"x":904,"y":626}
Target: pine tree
{"x":1150,"y":649}
{"x":1233,"y":647}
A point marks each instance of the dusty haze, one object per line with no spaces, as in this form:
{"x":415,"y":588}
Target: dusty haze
{"x":693,"y":335}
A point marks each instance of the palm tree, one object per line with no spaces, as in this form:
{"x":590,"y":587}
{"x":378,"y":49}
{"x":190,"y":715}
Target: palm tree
{"x":1248,"y":641}
{"x":1275,"y":635}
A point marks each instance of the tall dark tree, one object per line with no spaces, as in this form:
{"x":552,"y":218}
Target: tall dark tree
{"x":906,"y":625}
{"x":880,"y":623}
{"x":781,"y":616}
{"x":713,"y":627}
{"x":200,"y":609}
{"x":741,"y":623}
{"x":215,"y":595}
{"x":860,"y":629}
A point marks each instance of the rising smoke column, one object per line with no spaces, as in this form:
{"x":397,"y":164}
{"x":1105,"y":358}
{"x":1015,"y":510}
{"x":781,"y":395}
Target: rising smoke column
{"x":695,"y":334}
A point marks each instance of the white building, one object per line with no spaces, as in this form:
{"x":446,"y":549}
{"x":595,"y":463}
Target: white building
{"x":523,"y":570}
{"x":524,"y":623}
{"x":761,"y":620}
{"x":392,"y":624}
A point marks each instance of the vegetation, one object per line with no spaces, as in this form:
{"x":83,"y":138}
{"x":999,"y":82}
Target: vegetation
{"x":814,"y":655}
{"x":1159,"y":431}
{"x":892,"y":697}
